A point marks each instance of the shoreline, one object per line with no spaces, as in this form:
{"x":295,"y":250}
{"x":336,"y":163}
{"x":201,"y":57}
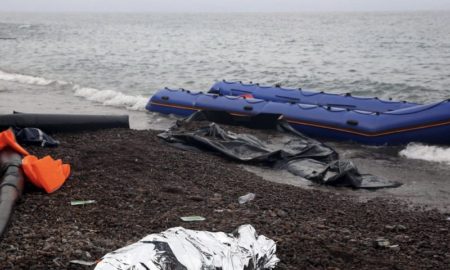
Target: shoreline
{"x":142,"y":185}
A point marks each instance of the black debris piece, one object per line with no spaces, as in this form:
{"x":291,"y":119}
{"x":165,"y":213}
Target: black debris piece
{"x":291,"y":150}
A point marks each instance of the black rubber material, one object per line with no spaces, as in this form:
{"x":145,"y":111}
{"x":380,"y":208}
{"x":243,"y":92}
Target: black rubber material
{"x":63,"y":122}
{"x":289,"y":149}
{"x":352,"y":122}
{"x":11,"y":185}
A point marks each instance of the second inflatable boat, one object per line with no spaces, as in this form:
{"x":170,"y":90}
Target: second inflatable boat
{"x":412,"y":123}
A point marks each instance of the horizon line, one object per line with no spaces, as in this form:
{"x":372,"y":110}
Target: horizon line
{"x":227,"y":12}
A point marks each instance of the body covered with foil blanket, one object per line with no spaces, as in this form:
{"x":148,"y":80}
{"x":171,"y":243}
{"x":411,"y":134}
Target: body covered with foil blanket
{"x":179,"y":249}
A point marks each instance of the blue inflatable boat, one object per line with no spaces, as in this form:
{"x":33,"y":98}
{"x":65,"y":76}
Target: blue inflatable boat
{"x":299,"y":95}
{"x":393,"y":123}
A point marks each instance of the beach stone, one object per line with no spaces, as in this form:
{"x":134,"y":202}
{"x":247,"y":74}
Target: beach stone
{"x":196,"y":198}
{"x":402,"y":238}
{"x":311,"y":223}
{"x":282,"y":213}
{"x":173,"y":189}
{"x":47,"y":247}
{"x":216,"y":198}
{"x":395,"y":247}
{"x":381,"y":243}
{"x":346,"y":231}
{"x":271,"y":213}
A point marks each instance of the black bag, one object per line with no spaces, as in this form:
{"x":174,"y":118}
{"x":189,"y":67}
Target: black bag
{"x":34,"y":136}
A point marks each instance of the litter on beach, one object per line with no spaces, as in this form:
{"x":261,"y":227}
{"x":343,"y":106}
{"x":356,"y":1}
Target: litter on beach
{"x":246,"y":198}
{"x":179,"y":248}
{"x":286,"y":149}
{"x":81,"y":262}
{"x":73,"y":203}
{"x":192,"y":218}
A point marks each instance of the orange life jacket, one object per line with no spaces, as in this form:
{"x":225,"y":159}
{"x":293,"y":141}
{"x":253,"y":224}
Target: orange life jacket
{"x":8,"y":139}
{"x":45,"y":173}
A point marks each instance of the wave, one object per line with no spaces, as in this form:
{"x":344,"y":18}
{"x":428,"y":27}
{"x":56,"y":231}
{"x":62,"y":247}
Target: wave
{"x":25,"y":79}
{"x":111,"y":98}
{"x":25,"y":26}
{"x":105,"y":97}
{"x":426,"y":152}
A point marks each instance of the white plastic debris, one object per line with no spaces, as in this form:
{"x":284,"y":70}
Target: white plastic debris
{"x":179,"y":248}
{"x":82,"y":202}
{"x":246,"y":198}
{"x":192,"y":218}
{"x":81,"y":262}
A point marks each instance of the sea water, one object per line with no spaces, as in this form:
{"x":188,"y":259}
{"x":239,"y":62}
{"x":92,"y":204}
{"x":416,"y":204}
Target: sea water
{"x":121,"y":59}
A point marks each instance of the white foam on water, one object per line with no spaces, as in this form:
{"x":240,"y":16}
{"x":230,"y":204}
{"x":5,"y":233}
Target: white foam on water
{"x":25,"y":79}
{"x":105,"y":97}
{"x":427,"y":152}
{"x":111,"y":98}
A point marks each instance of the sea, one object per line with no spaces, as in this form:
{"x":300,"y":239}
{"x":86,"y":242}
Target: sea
{"x":110,"y":63}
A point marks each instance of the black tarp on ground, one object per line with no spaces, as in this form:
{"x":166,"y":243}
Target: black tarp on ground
{"x":292,"y":151}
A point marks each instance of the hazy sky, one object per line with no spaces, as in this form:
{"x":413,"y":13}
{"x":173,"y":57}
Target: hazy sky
{"x":220,"y":5}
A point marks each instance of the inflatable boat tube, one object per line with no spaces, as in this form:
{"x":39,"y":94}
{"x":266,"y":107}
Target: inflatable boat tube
{"x":63,"y":122}
{"x":420,"y":123}
{"x":299,"y":95}
{"x":11,"y":185}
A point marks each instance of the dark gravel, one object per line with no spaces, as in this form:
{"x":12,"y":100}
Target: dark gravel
{"x":144,"y":186}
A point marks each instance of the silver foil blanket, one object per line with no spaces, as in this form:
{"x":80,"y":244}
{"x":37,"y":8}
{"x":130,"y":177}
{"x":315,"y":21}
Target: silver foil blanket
{"x":180,"y":249}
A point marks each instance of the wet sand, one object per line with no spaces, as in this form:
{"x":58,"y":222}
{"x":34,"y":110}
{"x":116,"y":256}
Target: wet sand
{"x":424,"y":183}
{"x":143,"y":186}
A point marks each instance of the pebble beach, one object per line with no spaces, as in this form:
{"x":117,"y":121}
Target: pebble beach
{"x":141,"y":185}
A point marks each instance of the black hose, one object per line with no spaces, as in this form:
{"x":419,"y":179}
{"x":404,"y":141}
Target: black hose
{"x":11,"y":185}
{"x":63,"y":122}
